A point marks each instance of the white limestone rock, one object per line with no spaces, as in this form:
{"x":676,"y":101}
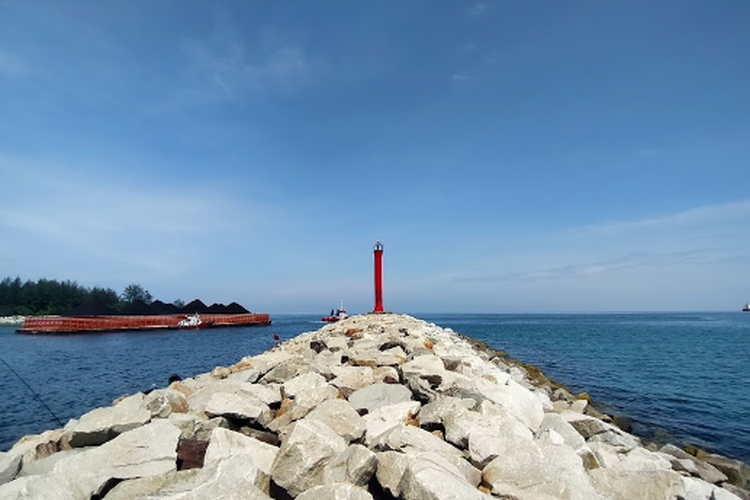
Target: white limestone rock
{"x":268,"y":393}
{"x":286,"y":370}
{"x":695,"y":466}
{"x":411,"y":440}
{"x":390,"y":470}
{"x":325,"y":362}
{"x":375,"y":357}
{"x":147,"y":487}
{"x":225,"y":443}
{"x":516,"y":400}
{"x":145,"y":451}
{"x":300,"y":407}
{"x":435,"y":412}
{"x":47,"y":464}
{"x":618,"y":484}
{"x":570,"y":435}
{"x":163,"y":402}
{"x":341,"y":417}
{"x":386,"y":417}
{"x":355,"y":465}
{"x":352,"y":378}
{"x":376,"y":396}
{"x":543,"y":469}
{"x":268,"y":360}
{"x":10,"y":466}
{"x":241,"y":407}
{"x":301,"y":461}
{"x":429,"y":476}
{"x":302,"y":383}
{"x":37,"y":446}
{"x":102,"y":424}
{"x":697,"y":489}
{"x":594,"y":430}
{"x":336,"y":491}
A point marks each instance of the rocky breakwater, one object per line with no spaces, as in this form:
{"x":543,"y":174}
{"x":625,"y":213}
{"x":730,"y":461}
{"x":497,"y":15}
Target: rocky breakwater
{"x":374,"y":407}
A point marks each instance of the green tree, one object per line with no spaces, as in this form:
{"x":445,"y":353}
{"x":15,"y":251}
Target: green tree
{"x":135,"y":292}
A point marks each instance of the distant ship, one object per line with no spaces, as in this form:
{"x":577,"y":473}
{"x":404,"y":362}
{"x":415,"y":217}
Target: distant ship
{"x":746,"y":308}
{"x":336,"y":314}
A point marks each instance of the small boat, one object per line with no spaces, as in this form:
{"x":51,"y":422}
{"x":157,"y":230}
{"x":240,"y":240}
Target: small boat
{"x":193,"y":322}
{"x":336,"y":314}
{"x":746,"y":308}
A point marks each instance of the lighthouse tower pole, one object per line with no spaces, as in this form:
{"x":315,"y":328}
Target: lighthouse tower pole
{"x":378,"y":253}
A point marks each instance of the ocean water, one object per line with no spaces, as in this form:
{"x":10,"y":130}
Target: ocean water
{"x":682,"y":378}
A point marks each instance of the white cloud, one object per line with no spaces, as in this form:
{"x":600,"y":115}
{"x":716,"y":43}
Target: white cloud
{"x":478,"y":9}
{"x":694,"y":216}
{"x":130,"y":226}
{"x":460,"y":76}
{"x":12,"y":66}
{"x":235,"y":71}
{"x":624,"y":262}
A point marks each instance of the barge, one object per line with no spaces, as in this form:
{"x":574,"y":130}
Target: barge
{"x":91,"y":324}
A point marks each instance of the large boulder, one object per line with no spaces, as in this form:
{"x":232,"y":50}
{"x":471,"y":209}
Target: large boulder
{"x":376,"y":396}
{"x":697,"y":489}
{"x":163,"y":402}
{"x":10,"y":466}
{"x":694,"y":465}
{"x":149,"y":450}
{"x":390,"y":469}
{"x":618,"y":484}
{"x":309,"y":447}
{"x":594,"y":430}
{"x":430,"y":476}
{"x":302,"y":383}
{"x":270,"y":394}
{"x":387,"y":417}
{"x":238,"y":407}
{"x":554,"y":422}
{"x":515,"y":400}
{"x":102,"y":424}
{"x":543,"y":469}
{"x":350,"y":378}
{"x":408,"y":439}
{"x":225,"y":443}
{"x":341,"y":417}
{"x":356,"y":465}
{"x":737,"y":472}
{"x":336,"y":491}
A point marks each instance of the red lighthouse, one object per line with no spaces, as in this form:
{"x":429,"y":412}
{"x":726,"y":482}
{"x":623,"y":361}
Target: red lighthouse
{"x":378,"y":252}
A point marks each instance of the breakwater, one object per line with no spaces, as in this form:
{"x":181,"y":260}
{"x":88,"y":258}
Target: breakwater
{"x":376,"y":406}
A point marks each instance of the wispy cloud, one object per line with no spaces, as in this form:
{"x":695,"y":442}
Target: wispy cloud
{"x":700,"y":215}
{"x":12,"y":66}
{"x":460,"y":76}
{"x":625,"y":262}
{"x":234,"y":70}
{"x":479,"y":9}
{"x":139,"y":227}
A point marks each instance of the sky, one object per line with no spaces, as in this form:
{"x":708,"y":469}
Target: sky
{"x":546,"y":156}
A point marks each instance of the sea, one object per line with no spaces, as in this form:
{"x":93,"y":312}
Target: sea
{"x":682,"y":378}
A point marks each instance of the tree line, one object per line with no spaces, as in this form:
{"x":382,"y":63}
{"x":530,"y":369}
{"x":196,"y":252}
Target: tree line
{"x":43,"y":297}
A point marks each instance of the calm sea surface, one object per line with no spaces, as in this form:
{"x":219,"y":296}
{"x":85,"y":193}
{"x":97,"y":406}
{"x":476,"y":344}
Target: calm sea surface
{"x":683,"y":378}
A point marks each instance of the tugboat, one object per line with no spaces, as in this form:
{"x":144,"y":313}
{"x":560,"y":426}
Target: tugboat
{"x":746,"y":308}
{"x":193,"y":322}
{"x":336,"y":314}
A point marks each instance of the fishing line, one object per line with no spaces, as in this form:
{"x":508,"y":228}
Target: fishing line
{"x":32,"y":392}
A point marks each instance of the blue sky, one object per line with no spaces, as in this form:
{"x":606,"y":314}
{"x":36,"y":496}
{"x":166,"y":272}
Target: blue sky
{"x":512,"y":156}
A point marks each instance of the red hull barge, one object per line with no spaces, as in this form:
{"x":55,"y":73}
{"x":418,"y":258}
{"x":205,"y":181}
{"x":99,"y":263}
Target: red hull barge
{"x":83,"y":324}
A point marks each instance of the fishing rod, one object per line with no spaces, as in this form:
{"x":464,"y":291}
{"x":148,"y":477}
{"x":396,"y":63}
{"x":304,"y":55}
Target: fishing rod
{"x":59,"y":422}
